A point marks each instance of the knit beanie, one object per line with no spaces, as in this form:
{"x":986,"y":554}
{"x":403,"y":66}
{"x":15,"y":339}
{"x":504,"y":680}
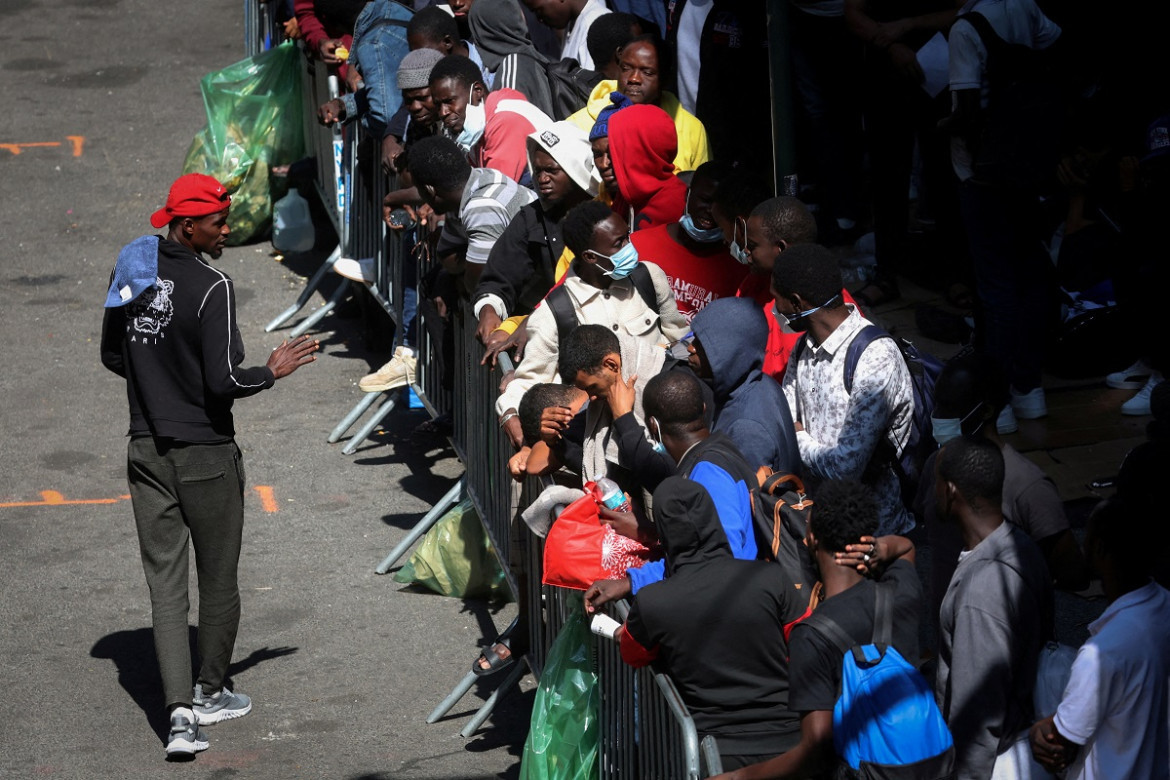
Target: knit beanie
{"x":618,"y":101}
{"x":414,"y":72}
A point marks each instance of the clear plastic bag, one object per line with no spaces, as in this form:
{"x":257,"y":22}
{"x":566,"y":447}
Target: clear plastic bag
{"x":563,"y":735}
{"x":254,"y":121}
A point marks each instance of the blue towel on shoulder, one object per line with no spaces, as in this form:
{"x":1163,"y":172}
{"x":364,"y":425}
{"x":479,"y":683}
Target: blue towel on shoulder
{"x":135,"y":271}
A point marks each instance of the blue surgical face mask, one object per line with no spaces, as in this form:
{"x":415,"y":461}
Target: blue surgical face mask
{"x":798,"y":323}
{"x":738,"y":251}
{"x":710,"y":236}
{"x":946,"y":428}
{"x":680,"y":350}
{"x":474,"y":121}
{"x":623,"y":261}
{"x":656,"y":445}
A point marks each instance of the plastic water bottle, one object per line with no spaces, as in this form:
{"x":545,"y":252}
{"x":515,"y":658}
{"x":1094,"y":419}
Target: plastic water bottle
{"x":292,"y":224}
{"x":611,"y":496}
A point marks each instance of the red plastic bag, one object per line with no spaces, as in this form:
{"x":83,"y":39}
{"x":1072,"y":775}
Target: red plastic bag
{"x":579,"y":549}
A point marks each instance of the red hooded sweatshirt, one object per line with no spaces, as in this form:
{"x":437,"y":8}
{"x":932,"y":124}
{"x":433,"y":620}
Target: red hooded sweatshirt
{"x":642,"y":145}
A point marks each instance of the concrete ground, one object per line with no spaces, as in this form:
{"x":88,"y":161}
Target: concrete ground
{"x":344,"y":665}
{"x":102,"y":100}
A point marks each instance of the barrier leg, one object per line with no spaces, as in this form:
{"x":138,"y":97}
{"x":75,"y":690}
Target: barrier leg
{"x":453,"y":698}
{"x":422,"y":526}
{"x":310,"y":288}
{"x":711,"y":756}
{"x":465,"y":684}
{"x":485,"y":711}
{"x":369,"y":427}
{"x":348,"y":421}
{"x":319,"y":315}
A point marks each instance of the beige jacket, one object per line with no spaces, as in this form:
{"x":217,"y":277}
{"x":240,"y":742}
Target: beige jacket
{"x":619,"y":307}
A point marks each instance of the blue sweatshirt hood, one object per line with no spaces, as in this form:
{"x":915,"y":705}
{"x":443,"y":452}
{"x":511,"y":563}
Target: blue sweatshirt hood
{"x":734,"y":334}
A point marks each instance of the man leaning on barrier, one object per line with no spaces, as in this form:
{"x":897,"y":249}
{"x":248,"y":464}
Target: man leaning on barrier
{"x":170,"y":330}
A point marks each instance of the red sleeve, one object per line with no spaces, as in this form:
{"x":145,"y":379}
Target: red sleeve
{"x":505,"y":144}
{"x":311,"y":28}
{"x":633,"y":653}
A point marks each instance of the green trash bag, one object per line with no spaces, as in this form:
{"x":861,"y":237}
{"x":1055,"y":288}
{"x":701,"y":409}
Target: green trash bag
{"x":456,"y":558}
{"x":563,"y":735}
{"x":254,"y":121}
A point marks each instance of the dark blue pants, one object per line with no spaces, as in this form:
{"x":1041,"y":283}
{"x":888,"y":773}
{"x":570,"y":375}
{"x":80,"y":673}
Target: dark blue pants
{"x":1013,"y":279}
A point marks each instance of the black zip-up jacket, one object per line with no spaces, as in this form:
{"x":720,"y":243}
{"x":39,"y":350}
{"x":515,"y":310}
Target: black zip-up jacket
{"x":179,"y":349}
{"x":522,"y":264}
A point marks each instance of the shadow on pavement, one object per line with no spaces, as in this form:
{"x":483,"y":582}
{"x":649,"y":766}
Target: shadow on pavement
{"x":133,"y":654}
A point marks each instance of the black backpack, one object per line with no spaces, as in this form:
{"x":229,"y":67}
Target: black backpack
{"x":561,"y":306}
{"x":570,"y":86}
{"x":1019,"y":143}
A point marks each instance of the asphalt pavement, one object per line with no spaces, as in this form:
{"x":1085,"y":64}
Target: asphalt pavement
{"x":101,"y":100}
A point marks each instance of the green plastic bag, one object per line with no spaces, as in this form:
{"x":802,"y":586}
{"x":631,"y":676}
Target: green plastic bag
{"x":456,"y":558}
{"x":254,"y":121}
{"x":563,"y":735}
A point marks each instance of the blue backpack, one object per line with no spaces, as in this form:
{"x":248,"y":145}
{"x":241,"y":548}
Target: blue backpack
{"x":886,"y":723}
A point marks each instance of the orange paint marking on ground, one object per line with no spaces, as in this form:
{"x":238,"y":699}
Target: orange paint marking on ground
{"x":18,"y":148}
{"x":267,"y":498}
{"x":55,"y":498}
{"x":76,"y":143}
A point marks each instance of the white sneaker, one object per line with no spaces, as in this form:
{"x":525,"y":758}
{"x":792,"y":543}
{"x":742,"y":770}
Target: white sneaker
{"x":1132,"y":378}
{"x":1139,"y":405}
{"x":1006,"y":422}
{"x":399,"y":372}
{"x":358,"y":270}
{"x":1030,"y":405}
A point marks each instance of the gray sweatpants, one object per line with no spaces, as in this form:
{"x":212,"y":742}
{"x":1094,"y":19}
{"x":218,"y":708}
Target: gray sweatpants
{"x":196,"y":492}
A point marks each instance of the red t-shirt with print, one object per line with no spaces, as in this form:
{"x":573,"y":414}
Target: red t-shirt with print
{"x":696,"y":278}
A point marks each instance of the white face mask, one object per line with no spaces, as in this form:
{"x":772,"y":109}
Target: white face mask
{"x":739,"y":251}
{"x":474,"y":121}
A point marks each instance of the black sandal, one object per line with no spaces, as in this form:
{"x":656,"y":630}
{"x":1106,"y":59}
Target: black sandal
{"x":495,"y":661}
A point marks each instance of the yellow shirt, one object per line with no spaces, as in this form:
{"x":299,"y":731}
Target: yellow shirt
{"x":693,"y":148}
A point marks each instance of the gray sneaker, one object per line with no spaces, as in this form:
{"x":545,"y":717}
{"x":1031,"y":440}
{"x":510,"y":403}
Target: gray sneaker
{"x":185,"y":739}
{"x":224,"y":705}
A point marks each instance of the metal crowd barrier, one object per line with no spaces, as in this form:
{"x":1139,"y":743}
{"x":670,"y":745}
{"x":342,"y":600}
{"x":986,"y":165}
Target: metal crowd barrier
{"x":261,"y":30}
{"x":328,"y":146}
{"x":645,"y":729}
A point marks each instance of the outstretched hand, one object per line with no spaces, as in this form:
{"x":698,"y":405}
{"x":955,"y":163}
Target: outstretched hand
{"x":291,"y":355}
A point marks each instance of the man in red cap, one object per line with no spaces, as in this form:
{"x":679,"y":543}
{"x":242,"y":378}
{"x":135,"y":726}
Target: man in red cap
{"x":170,"y":330}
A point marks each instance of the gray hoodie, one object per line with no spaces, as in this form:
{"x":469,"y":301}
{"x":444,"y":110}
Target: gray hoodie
{"x":501,"y":35}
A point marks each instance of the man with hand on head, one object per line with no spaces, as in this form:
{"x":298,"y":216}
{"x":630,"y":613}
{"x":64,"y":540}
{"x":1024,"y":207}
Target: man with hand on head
{"x":170,"y":331}
{"x":605,"y":285}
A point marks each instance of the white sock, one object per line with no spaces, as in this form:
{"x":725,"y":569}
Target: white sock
{"x":407,"y":352}
{"x":185,"y":712}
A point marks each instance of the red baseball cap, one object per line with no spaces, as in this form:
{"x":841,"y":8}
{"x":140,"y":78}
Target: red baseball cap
{"x":192,"y":195}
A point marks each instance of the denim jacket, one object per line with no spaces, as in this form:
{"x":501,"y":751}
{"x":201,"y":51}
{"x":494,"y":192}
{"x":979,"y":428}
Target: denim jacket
{"x":379,"y":44}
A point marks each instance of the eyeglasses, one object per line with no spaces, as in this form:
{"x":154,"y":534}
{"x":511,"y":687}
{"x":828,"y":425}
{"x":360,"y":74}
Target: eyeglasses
{"x":680,"y":350}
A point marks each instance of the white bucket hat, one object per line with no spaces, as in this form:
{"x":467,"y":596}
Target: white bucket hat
{"x":569,"y":146}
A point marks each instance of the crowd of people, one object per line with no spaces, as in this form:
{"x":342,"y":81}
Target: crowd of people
{"x":591,"y":179}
